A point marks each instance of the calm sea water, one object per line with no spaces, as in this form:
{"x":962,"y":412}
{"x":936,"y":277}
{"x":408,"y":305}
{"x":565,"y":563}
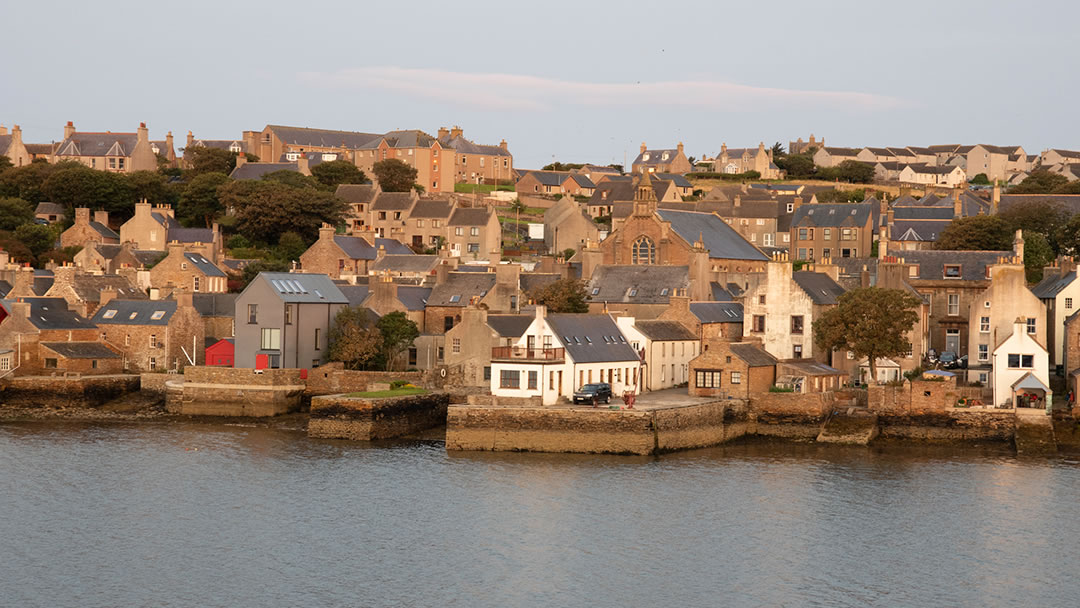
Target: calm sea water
{"x":175,"y":515}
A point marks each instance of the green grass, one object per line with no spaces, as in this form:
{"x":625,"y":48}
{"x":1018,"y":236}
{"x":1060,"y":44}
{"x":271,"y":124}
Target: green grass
{"x":469,"y":188}
{"x":396,"y":392}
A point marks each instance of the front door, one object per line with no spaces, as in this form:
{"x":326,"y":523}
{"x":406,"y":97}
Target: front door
{"x":418,"y":241}
{"x":530,"y":343}
{"x":952,"y":340}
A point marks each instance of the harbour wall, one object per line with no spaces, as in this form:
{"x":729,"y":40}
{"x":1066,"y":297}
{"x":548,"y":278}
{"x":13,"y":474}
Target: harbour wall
{"x":364,"y":419}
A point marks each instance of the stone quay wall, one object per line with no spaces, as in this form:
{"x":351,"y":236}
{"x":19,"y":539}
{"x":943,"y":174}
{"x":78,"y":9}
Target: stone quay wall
{"x":66,"y":391}
{"x":227,"y":391}
{"x":950,"y":425}
{"x":363,"y":419}
{"x":791,"y":415}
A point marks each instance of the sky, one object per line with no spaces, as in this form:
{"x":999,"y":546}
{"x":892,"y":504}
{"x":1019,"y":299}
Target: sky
{"x":570,"y":81}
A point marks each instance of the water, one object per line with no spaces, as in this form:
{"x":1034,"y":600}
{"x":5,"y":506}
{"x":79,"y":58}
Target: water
{"x":179,"y":515}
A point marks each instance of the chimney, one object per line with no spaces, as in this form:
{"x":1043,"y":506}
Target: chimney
{"x":455,"y":132}
{"x":441,"y":272}
{"x":16,"y":135}
{"x":3,"y":130}
{"x":82,"y":216}
{"x":495,"y":256}
{"x":184,"y":298}
{"x":64,"y":275}
{"x":957,"y":206}
{"x":69,"y":129}
{"x":679,"y":148}
{"x":302,"y":165}
{"x":174,"y":247}
{"x":241,"y":159}
{"x":107,"y":295}
{"x":643,"y":148}
{"x":723,"y":149}
{"x":23,"y":283}
{"x":142,"y":133}
{"x":738,"y":201}
{"x":20,"y":309}
{"x":591,"y":257}
{"x":541,"y":311}
{"x":504,"y":146}
{"x":443,"y":132}
{"x":326,"y":232}
{"x":1018,"y":246}
{"x":509,"y":275}
{"x":380,"y":253}
{"x":995,"y":200}
{"x":102,"y":217}
{"x":796,"y":203}
{"x":169,"y":140}
{"x":190,"y":140}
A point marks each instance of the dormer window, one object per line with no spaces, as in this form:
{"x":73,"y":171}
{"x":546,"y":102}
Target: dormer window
{"x":645,"y":156}
{"x":292,"y":156}
{"x":235,"y":148}
{"x":952,"y":271}
{"x":665,"y":157}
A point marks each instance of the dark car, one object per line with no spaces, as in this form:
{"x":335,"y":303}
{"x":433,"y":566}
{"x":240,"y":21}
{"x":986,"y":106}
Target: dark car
{"x":593,"y":393}
{"x":949,"y":360}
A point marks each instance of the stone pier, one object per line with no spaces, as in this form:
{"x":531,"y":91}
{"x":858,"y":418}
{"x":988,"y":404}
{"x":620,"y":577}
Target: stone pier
{"x":364,"y":419}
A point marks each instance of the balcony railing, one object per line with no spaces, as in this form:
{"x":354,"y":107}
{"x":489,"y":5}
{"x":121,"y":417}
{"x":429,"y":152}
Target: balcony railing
{"x":519,"y":353}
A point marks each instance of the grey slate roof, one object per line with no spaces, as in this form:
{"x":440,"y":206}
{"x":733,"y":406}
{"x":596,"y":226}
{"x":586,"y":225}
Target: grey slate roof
{"x":89,"y":287}
{"x":52,"y":313}
{"x":5,"y":287}
{"x":752,"y":354}
{"x":413,"y":297}
{"x":810,"y":367}
{"x":460,"y":287}
{"x":49,"y":208}
{"x":470,"y":216}
{"x":677,"y":179}
{"x":303,"y":288}
{"x":406,"y":263}
{"x":722,"y":241}
{"x":636,"y":283}
{"x":356,"y":294}
{"x":833,"y":215}
{"x":591,"y":338}
{"x":717,"y":312}
{"x":323,"y":138}
{"x":1050,"y":287}
{"x":720,"y":293}
{"x":204,"y":265}
{"x":931,"y":263}
{"x":81,"y":350}
{"x":98,"y":144}
{"x":258,"y":170}
{"x":923,"y":213}
{"x":215,"y":304}
{"x":104,"y":230}
{"x":510,"y":326}
{"x":656,"y":329}
{"x":358,"y":249}
{"x":819,"y":286}
{"x":464,"y":146}
{"x":393,"y":201}
{"x":431,"y":209}
{"x":655,"y":157}
{"x":1071,"y":202}
{"x":356,"y":193}
{"x":531,"y":281}
{"x":550,"y":178}
{"x":923,"y":230}
{"x":135,"y":312}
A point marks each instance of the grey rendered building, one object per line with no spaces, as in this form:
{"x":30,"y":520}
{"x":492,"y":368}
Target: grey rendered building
{"x":286,"y":317}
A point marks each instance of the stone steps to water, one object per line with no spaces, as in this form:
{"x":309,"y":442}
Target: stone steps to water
{"x":852,"y":426}
{"x":1035,"y":434}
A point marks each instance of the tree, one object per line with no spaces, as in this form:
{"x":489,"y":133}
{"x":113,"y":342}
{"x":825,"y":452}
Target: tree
{"x":333,"y":173}
{"x":841,"y":196}
{"x":979,"y":232}
{"x":266,"y":209}
{"x":394,"y":175}
{"x":18,"y":251}
{"x":557,"y":166}
{"x":1044,"y":216}
{"x":797,"y":165}
{"x":354,"y":339}
{"x":290,"y":247}
{"x":80,"y":186}
{"x":1069,"y":239}
{"x":210,"y":160}
{"x":980,"y":179}
{"x":37,"y":238}
{"x":568,"y":253}
{"x":1040,"y":181}
{"x":564,"y":295}
{"x":852,"y":171}
{"x":871,"y":322}
{"x":398,"y":333}
{"x":14,"y":212}
{"x":253,"y":269}
{"x":1037,"y":255}
{"x":778,"y":151}
{"x":200,"y":202}
{"x":149,"y":185}
{"x":5,"y":163}
{"x":27,"y":182}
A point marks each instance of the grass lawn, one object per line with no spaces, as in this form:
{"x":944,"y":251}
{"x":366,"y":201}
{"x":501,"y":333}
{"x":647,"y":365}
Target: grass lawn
{"x":468,"y":188}
{"x":397,"y":392}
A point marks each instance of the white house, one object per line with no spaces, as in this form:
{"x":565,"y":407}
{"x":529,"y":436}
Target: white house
{"x":1021,"y":367}
{"x":928,"y":175}
{"x":559,"y":353}
{"x":1060,"y":293}
{"x":666,"y":348}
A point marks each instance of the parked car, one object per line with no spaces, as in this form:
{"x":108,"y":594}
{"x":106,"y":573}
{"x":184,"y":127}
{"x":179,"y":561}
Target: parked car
{"x":593,"y":393}
{"x":948,"y":360}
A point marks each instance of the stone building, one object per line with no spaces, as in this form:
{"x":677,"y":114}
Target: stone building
{"x":114,"y":152}
{"x":85,"y":230}
{"x":388,"y":214}
{"x":993,"y":312}
{"x":50,"y":212}
{"x":12,"y":146}
{"x":469,"y":344}
{"x":41,"y":336}
{"x":639,"y":291}
{"x":1021,"y":369}
{"x":187,"y":270}
{"x":665,"y":348}
{"x":84,"y":292}
{"x":453,"y":292}
{"x":825,"y":231}
{"x":661,"y":161}
{"x":218,"y":312}
{"x":1060,"y":293}
{"x":153,"y":335}
{"x":427,"y":223}
{"x":742,"y":160}
{"x":338,"y":255}
{"x":709,"y":321}
{"x":735,"y":370}
{"x":555,"y":183}
{"x":474,"y":233}
{"x":359,"y":197}
{"x":477,"y":163}
{"x":110,"y":259}
{"x":567,"y":225}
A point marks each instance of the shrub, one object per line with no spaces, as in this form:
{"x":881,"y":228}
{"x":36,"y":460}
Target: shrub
{"x":781,"y":389}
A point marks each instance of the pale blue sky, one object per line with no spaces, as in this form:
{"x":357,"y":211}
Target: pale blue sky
{"x":575,"y":81}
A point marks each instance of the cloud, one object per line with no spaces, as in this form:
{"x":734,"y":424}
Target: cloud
{"x":534,"y":93}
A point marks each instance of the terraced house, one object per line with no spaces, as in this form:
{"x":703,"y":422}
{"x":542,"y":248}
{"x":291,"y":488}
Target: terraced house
{"x":477,"y":163}
{"x":840,"y":230}
{"x":116,"y":152}
{"x":153,"y":335}
{"x":43,"y":336}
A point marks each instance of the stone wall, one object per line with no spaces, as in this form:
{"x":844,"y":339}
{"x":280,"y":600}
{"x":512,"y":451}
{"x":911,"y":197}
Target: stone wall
{"x":155,"y":383}
{"x":790,"y":415}
{"x":333,"y":378}
{"x":358,"y":419}
{"x":950,"y":425}
{"x":228,"y":391}
{"x":65,"y":392}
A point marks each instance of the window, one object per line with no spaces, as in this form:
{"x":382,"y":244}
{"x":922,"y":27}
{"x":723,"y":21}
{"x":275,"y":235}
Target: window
{"x":487,"y":373}
{"x":761,"y":221}
{"x":708,"y":378}
{"x":532,"y":380}
{"x":828,"y":233}
{"x":1018,"y":361}
{"x":1068,"y":303}
{"x":984,"y":352}
{"x":457,"y":346}
{"x":984,"y":325}
{"x":802,"y":253}
{"x":153,"y":363}
{"x":412,"y":355}
{"x":436,"y":223}
{"x":317,"y":332}
{"x":109,"y":314}
{"x":952,"y":271}
{"x":913,"y":271}
{"x":195,"y":284}
{"x":439,"y":353}
{"x":849,"y":234}
{"x":183,"y":265}
{"x":288,"y":314}
{"x":1031,"y":326}
{"x":803,"y":234}
{"x":787,"y":237}
{"x":5,"y":363}
{"x":753,"y":238}
{"x":767,"y":239}
{"x":474,"y":231}
{"x":253,"y":310}
{"x":50,"y":363}
{"x":448,"y":323}
{"x":791,"y":207}
{"x":759,"y":323}
{"x":419,"y":223}
{"x":382,"y":215}
{"x":509,"y":378}
{"x":954,"y":304}
{"x":127,"y":340}
{"x":761,"y":300}
{"x":736,"y":377}
{"x":473,"y":247}
{"x":153,"y":341}
{"x":643,"y":251}
{"x":271,"y":339}
{"x":796,"y":324}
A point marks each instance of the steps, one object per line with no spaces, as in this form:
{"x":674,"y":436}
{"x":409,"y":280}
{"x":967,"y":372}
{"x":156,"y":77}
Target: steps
{"x":1034,"y":433}
{"x":851,"y":426}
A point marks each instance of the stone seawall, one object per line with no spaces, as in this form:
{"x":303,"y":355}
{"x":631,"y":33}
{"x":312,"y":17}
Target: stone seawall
{"x":592,"y":431}
{"x":950,"y":425}
{"x":790,"y":415}
{"x":360,"y":419}
{"x":66,"y":391}
{"x":155,"y":383}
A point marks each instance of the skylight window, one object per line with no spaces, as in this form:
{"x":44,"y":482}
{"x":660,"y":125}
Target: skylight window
{"x":595,"y":290}
{"x":133,"y":315}
{"x":158,"y":314}
{"x":455,"y":299}
{"x":664,"y":291}
{"x":588,"y":339}
{"x":109,"y":314}
{"x":633,"y":292}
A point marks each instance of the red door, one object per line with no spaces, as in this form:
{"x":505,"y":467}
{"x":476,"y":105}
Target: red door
{"x":262,"y":361}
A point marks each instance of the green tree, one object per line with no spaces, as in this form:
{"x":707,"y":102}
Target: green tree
{"x":149,"y":185}
{"x":37,"y":238}
{"x":210,"y":160}
{"x":854,"y":172}
{"x":778,"y":151}
{"x":27,"y":182}
{"x":568,"y":253}
{"x":1048,"y":217}
{"x":85,"y":187}
{"x":394,"y":175}
{"x":557,"y":166}
{"x":981,"y":179}
{"x":200,"y":204}
{"x":1069,"y":237}
{"x":354,"y":339}
{"x":333,"y":173}
{"x":5,"y":163}
{"x":265,"y":210}
{"x":797,"y":165}
{"x":253,"y":269}
{"x":292,"y":178}
{"x":290,"y":247}
{"x":976,"y":233}
{"x":841,"y":196}
{"x":1040,"y":181}
{"x":564,"y":295}
{"x":1037,"y":255}
{"x":870,"y":322}
{"x":18,"y":251}
{"x":1072,"y":187}
{"x":398,"y":333}
{"x":14,"y":212}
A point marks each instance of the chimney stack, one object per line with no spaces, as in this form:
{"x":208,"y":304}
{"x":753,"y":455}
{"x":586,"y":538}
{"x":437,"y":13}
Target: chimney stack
{"x":69,"y":129}
{"x":107,"y":295}
{"x":190,"y":139}
{"x":241,"y":159}
{"x":302,"y":164}
{"x":958,"y":207}
{"x":169,"y":140}
{"x":102,"y":217}
{"x":442,"y":271}
{"x":455,"y":132}
{"x":184,"y":298}
{"x":326,"y":232}
{"x":643,"y":148}
{"x":679,"y":147}
{"x":143,"y":133}
{"x":443,"y":132}
{"x":3,"y":130}
{"x":1018,"y":246}
{"x":504,"y":146}
{"x":82,"y":216}
{"x":995,"y":200}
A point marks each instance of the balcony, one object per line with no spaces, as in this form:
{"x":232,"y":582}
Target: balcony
{"x":523,"y":354}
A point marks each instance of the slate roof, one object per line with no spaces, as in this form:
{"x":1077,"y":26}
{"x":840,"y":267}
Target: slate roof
{"x":833,"y":214}
{"x":98,"y":144}
{"x":460,"y":287}
{"x":49,"y":208}
{"x":809,"y":367}
{"x":431,"y":209}
{"x":470,"y":216}
{"x":356,"y":193}
{"x":752,"y":354}
{"x":81,"y":350}
{"x":656,"y":329}
{"x":834,"y":151}
{"x":917,"y":231}
{"x":408,"y":138}
{"x":323,"y":138}
{"x":135,"y":312}
{"x":932,"y":169}
{"x":215,"y":304}
{"x":612,"y":191}
{"x":464,"y":146}
{"x":358,"y":249}
{"x":549,"y":178}
{"x":89,"y":287}
{"x":52,"y":313}
{"x":104,"y":230}
{"x":819,"y":286}
{"x":356,"y":294}
{"x":722,"y":241}
{"x":406,"y":263}
{"x":1050,"y":287}
{"x":531,"y":281}
{"x":258,"y":170}
{"x":510,"y":326}
{"x":591,"y":338}
{"x":1071,"y":202}
{"x":931,"y":263}
{"x":393,"y":201}
{"x":5,"y":287}
{"x":204,"y":265}
{"x":413,"y":297}
{"x":655,"y":157}
{"x":582,"y":180}
{"x":717,"y":312}
{"x":923,"y":213}
{"x":303,"y":288}
{"x":720,"y":293}
{"x":636,"y":283}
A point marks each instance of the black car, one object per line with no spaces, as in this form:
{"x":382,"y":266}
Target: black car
{"x":593,"y":393}
{"x":948,"y":360}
